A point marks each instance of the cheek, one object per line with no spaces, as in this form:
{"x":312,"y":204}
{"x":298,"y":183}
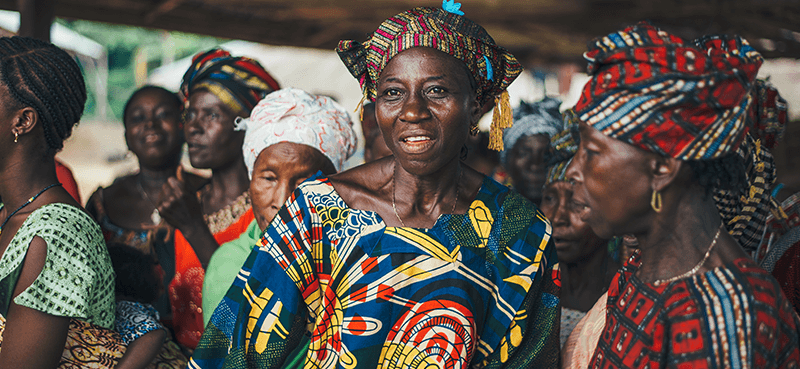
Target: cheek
{"x":260,"y":195}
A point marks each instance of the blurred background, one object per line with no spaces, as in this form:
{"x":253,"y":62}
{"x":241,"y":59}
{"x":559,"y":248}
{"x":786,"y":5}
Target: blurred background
{"x":124,"y":44}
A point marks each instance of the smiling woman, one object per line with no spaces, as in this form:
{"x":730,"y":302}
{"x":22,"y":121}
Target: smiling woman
{"x":412,"y":260}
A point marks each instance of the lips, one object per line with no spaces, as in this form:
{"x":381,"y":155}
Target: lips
{"x":193,"y":147}
{"x":152,"y":138}
{"x":416,"y":143}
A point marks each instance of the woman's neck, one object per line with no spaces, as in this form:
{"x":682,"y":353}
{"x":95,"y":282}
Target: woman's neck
{"x":585,"y":280}
{"x":680,"y":235}
{"x":427,"y":193}
{"x":225,"y":185}
{"x":20,"y":180}
{"x":154,"y":178}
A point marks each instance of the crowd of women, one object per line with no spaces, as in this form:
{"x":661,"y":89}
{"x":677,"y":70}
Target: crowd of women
{"x":637,"y":229}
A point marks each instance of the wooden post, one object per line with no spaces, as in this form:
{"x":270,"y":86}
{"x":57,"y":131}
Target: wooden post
{"x":35,"y":18}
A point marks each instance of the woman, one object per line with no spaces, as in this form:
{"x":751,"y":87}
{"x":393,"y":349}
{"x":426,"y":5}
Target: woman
{"x":290,"y":136}
{"x":413,"y":259}
{"x":661,"y":120}
{"x":586,"y":262}
{"x":127,"y":210}
{"x":55,"y":273}
{"x":527,"y":146}
{"x":217,"y":89}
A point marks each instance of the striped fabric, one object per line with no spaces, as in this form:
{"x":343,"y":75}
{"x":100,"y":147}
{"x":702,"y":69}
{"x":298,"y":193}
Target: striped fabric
{"x":686,"y":100}
{"x":492,"y":66}
{"x":239,"y":82}
{"x":729,"y":317}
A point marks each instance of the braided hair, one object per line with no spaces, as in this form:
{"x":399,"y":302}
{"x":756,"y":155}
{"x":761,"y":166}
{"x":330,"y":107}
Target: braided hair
{"x":42,"y":76}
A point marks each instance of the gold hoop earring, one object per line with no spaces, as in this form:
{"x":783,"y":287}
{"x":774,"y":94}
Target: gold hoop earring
{"x":473,"y":130}
{"x":16,"y":137}
{"x":655,"y":201}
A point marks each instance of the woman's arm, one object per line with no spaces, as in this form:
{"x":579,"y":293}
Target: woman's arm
{"x":143,"y":350}
{"x":32,"y":339}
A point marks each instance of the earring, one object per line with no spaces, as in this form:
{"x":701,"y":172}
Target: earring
{"x":655,"y":201}
{"x":16,"y":137}
{"x":473,"y":130}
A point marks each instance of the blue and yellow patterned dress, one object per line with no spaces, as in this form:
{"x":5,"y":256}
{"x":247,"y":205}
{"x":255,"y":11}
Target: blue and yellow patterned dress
{"x":479,"y":288}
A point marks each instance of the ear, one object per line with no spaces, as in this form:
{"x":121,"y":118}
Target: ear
{"x":25,"y":120}
{"x":664,"y":171}
{"x":475,"y":111}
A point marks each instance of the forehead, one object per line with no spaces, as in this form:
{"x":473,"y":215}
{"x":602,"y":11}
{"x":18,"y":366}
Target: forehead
{"x":424,"y":60}
{"x":284,"y":152}
{"x":203,"y":99}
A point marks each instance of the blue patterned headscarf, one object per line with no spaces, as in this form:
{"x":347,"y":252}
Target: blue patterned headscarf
{"x":530,"y":119}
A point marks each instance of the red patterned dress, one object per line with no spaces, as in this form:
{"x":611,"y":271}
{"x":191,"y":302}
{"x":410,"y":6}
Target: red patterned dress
{"x":730,"y":317}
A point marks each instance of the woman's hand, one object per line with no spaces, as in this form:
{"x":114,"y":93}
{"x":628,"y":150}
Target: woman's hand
{"x":181,"y":209}
{"x":143,"y":350}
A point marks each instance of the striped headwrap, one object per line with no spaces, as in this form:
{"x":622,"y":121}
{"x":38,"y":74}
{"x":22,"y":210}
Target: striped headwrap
{"x":745,"y":214}
{"x":240,"y":82}
{"x":563,"y":147}
{"x":493,"y":67}
{"x":685,"y":100}
{"x":541,"y":117}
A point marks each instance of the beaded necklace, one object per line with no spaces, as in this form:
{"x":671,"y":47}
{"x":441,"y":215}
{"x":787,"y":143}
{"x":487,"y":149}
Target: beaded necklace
{"x":26,"y":204}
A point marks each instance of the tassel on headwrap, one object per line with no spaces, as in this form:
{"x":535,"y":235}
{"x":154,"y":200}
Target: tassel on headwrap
{"x":502,"y":118}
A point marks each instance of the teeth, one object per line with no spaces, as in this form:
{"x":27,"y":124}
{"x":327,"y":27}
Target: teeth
{"x":416,"y":139}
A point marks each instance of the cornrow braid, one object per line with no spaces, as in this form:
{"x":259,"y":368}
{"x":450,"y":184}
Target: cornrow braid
{"x":40,"y":75}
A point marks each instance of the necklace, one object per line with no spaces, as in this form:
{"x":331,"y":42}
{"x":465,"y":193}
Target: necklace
{"x":26,"y":204}
{"x":394,"y":205}
{"x":155,"y":216}
{"x":696,"y":267}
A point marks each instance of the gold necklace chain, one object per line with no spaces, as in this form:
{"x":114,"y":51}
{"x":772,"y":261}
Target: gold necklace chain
{"x":394,"y":205}
{"x":696,"y":267}
{"x":155,"y":216}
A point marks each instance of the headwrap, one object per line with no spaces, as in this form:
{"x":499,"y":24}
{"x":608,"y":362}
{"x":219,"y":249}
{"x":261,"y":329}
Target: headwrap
{"x":688,"y":101}
{"x":240,"y":82}
{"x":448,"y":31}
{"x":292,"y":115}
{"x":563,"y":147}
{"x":745,"y":214}
{"x":540,"y":117}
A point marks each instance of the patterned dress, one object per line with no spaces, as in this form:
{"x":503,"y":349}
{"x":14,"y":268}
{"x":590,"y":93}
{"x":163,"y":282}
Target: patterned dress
{"x":476,"y":289}
{"x":730,"y":317}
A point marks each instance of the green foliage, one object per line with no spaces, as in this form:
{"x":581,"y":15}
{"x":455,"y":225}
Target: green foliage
{"x":122,"y":44}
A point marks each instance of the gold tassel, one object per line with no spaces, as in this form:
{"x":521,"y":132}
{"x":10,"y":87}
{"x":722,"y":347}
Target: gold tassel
{"x":501,"y":119}
{"x":360,"y":108}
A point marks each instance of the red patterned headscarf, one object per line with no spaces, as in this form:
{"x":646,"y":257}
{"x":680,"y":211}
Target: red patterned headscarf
{"x":239,"y":82}
{"x":686,"y":100}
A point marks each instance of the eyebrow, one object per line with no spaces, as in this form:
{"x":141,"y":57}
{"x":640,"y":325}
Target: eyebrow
{"x":433,"y":78}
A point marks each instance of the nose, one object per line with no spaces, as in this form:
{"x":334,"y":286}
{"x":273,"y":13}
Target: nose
{"x":574,"y":169}
{"x":192,"y":127}
{"x":415,"y":108}
{"x":561,"y":214}
{"x":281,"y":194}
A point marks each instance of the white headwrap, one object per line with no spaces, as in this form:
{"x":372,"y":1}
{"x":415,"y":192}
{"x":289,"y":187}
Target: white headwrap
{"x":292,"y":115}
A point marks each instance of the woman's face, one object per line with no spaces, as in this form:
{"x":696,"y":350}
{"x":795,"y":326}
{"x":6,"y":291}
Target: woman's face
{"x":153,"y":129}
{"x":573,"y":238}
{"x":612,"y":184}
{"x":210,"y":136}
{"x":277,"y":171}
{"x":424,"y":107}
{"x":526,"y":165}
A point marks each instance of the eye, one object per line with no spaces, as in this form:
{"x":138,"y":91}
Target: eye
{"x":391,"y":94}
{"x":189,"y":115}
{"x":437,"y":91}
{"x":136,"y":119}
{"x":165,"y":114}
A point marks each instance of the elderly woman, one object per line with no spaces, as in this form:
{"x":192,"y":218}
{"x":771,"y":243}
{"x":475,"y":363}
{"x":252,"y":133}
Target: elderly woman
{"x":56,"y":281}
{"x":413,"y":259}
{"x":661,"y":120}
{"x":528,"y":144}
{"x":587,"y":262}
{"x":218,"y":88}
{"x":290,"y":136}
